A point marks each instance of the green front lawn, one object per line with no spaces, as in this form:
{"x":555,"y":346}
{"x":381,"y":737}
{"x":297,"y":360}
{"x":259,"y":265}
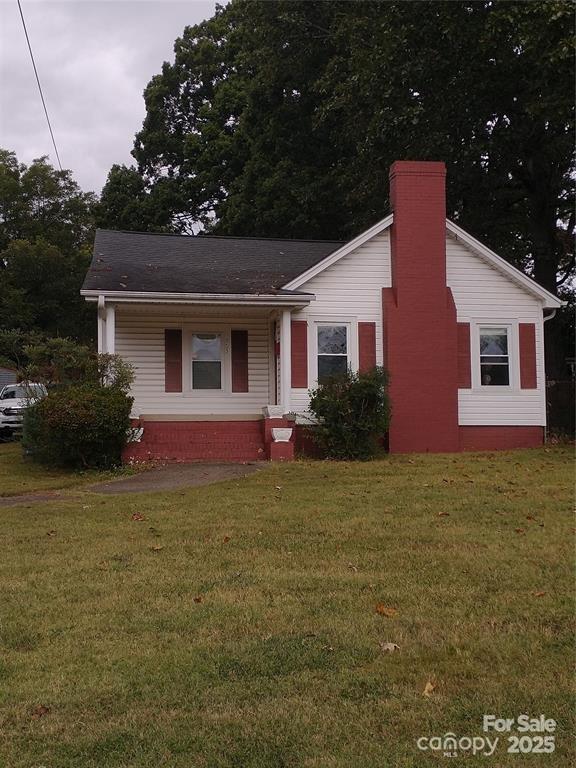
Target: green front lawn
{"x":236,"y":625}
{"x":19,"y":475}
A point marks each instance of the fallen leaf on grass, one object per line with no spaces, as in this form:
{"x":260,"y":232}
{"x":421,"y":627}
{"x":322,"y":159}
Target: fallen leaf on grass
{"x":137,"y":517}
{"x":429,"y":688}
{"x":385,"y":610}
{"x":226,"y":539}
{"x":389,"y":647}
{"x":539,"y":594}
{"x":198,"y":599}
{"x":40,"y":710}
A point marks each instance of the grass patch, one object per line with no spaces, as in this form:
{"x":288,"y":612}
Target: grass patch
{"x":20,"y":475}
{"x":235,"y":625}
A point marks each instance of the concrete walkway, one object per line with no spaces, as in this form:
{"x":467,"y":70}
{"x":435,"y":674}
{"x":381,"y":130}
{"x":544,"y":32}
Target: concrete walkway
{"x":174,"y":476}
{"x":167,"y":478}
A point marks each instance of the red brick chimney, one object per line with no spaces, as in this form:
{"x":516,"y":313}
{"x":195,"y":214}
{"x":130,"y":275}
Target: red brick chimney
{"x":420,"y":332}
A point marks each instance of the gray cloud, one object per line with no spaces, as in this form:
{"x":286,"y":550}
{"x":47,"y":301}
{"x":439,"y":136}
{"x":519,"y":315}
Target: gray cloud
{"x":94,"y":58}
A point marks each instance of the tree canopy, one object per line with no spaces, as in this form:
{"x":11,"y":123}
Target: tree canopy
{"x":46,"y":232}
{"x":282,"y":119}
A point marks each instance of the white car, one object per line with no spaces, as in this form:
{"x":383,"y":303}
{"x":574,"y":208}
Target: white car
{"x":14,"y":399}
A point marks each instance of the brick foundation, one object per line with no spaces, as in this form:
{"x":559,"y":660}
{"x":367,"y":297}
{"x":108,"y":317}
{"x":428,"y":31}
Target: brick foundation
{"x":234,"y":441}
{"x":480,"y":438}
{"x":281,"y":451}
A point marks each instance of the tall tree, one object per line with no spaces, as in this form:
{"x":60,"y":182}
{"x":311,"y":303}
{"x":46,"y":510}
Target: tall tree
{"x":129,"y":202}
{"x":283,"y":119}
{"x":46,"y":230}
{"x":39,"y":201}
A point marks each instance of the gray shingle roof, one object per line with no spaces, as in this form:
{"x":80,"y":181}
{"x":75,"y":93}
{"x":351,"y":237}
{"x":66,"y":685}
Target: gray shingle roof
{"x":142,"y":262}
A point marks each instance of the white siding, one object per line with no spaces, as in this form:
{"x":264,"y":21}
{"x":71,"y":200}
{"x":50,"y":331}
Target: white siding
{"x":350,"y":290}
{"x":484,"y":295}
{"x":140,"y":340}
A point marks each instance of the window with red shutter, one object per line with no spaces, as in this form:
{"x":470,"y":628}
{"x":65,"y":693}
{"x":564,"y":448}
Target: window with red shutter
{"x":527,"y":344}
{"x":299,"y":354}
{"x":173,"y":360}
{"x":366,"y":346}
{"x":464,"y":361}
{"x":239,"y":350}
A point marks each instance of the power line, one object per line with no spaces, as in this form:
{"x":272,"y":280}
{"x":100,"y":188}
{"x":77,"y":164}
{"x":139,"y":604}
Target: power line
{"x":39,"y":86}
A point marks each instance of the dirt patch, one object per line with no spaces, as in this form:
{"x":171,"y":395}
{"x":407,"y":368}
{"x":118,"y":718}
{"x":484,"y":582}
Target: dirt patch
{"x":173,"y":476}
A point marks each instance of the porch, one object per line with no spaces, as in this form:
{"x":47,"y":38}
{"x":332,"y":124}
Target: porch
{"x":212,"y":381}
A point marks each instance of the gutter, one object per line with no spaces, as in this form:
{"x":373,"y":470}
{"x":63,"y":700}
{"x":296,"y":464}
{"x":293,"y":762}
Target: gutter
{"x":299,"y":300}
{"x":551,"y":315}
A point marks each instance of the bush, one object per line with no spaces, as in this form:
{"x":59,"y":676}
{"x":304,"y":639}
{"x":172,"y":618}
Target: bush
{"x":79,"y":426}
{"x":352,"y":411}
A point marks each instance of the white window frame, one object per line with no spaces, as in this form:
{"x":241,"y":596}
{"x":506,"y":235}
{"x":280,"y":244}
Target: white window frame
{"x":221,"y":361}
{"x":351,"y":325}
{"x":511,"y":327}
{"x":225,"y":361}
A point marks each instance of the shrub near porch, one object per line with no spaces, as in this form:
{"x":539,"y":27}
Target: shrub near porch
{"x":236,"y":624}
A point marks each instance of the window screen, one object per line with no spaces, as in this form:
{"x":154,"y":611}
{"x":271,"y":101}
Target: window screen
{"x":332,"y":351}
{"x":494,"y":357}
{"x":206,"y":361}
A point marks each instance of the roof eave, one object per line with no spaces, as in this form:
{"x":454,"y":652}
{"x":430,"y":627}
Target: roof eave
{"x":159,"y":297}
{"x":339,"y":253}
{"x":549,"y":301}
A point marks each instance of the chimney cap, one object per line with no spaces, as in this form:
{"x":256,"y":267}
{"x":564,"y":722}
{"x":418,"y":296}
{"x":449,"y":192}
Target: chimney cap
{"x":417,"y":168}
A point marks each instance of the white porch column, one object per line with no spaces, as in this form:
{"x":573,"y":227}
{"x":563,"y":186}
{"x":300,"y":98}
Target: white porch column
{"x":101,"y":320}
{"x":110,"y":329}
{"x":285,"y":359}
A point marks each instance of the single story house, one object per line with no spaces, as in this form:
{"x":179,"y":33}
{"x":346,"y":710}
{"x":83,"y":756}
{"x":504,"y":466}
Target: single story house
{"x":228,"y":335}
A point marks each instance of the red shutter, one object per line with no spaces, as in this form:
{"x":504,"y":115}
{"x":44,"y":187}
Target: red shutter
{"x":239,"y":344}
{"x":464,"y":365}
{"x":299,"y":354}
{"x":527,"y":340}
{"x":173,"y":360}
{"x":366,"y":346}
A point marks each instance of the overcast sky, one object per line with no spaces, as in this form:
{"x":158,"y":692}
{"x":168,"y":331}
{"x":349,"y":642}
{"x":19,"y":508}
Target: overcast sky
{"x":94,"y":59}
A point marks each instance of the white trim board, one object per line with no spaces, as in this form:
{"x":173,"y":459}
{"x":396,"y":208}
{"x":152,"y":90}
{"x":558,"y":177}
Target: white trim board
{"x":273,"y":300}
